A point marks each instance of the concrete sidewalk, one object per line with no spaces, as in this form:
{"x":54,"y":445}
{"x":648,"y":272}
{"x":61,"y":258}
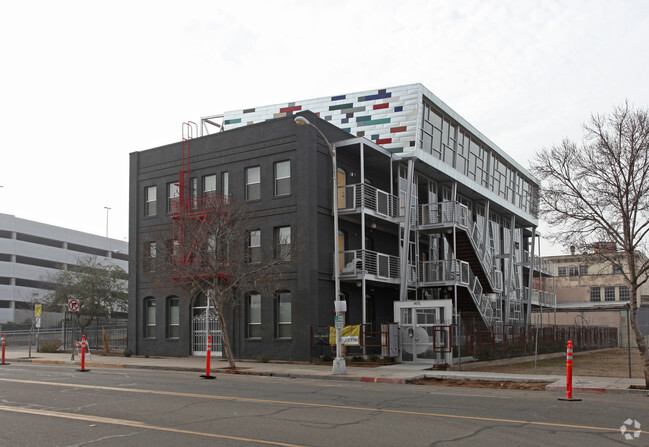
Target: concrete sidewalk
{"x":398,"y":373}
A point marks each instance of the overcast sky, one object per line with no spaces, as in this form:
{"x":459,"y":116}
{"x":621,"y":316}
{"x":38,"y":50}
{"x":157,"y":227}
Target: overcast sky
{"x":86,"y":83}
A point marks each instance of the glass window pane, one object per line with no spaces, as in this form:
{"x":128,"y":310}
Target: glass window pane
{"x":283,"y":169}
{"x":209,"y":183}
{"x":174,"y":314}
{"x":255,"y":309}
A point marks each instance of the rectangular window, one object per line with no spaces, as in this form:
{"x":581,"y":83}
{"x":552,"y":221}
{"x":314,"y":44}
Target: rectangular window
{"x":253,"y":183}
{"x":173,"y":193}
{"x":617,"y":269}
{"x":595,"y":294}
{"x":253,"y":313}
{"x":225,"y":184}
{"x":624,"y":293}
{"x":150,"y":193}
{"x":150,"y":252}
{"x":254,"y":246}
{"x":209,"y":184}
{"x":583,"y":270}
{"x":283,"y":243}
{"x":194,"y":187}
{"x":283,"y":178}
{"x":609,"y":293}
{"x":173,"y":318}
{"x":574,"y":270}
{"x":283,"y":315}
{"x":563,"y":271}
{"x":149,"y":318}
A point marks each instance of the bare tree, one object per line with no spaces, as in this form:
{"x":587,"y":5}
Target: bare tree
{"x":599,"y":192}
{"x":215,"y":252}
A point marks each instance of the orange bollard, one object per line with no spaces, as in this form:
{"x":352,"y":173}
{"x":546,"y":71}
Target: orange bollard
{"x":207,"y":361}
{"x":3,"y":350}
{"x":569,"y":374}
{"x":83,"y":354}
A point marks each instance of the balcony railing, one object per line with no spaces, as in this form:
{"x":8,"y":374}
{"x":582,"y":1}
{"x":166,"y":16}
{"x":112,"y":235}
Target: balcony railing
{"x":540,"y":264}
{"x":352,"y":197}
{"x":354,"y":263}
{"x":443,"y":214}
{"x":543,"y":298}
{"x":450,"y":271}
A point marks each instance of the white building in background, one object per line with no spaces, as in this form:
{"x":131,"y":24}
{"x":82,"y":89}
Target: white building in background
{"x":30,"y":252}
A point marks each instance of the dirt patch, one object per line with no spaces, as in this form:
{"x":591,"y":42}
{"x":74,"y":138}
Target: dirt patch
{"x":492,"y":384}
{"x":601,"y":363}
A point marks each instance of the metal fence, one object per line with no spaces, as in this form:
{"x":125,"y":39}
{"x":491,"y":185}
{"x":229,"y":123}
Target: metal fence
{"x":65,"y":337}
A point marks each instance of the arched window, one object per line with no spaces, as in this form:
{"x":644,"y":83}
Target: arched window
{"x":149,"y":311}
{"x":173,"y":317}
{"x":253,"y":315}
{"x":283,"y":314}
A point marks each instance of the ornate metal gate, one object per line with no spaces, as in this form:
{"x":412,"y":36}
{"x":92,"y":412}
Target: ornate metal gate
{"x":205,"y":322}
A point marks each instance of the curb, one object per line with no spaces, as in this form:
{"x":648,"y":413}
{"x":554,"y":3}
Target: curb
{"x":556,"y":387}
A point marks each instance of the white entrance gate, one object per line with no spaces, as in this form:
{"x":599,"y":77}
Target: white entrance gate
{"x":425,"y":330}
{"x":205,"y":322}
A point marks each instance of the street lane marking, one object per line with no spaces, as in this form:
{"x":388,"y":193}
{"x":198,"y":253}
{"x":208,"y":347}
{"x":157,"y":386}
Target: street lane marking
{"x":136,"y":424}
{"x":315,"y":405}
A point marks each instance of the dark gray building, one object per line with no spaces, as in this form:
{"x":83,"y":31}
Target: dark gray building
{"x":228,"y":163}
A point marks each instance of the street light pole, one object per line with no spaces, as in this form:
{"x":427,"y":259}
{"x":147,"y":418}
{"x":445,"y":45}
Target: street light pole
{"x":339,"y":366}
{"x":107,"y":209}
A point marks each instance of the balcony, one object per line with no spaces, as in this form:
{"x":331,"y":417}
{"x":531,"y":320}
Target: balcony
{"x":353,"y":198}
{"x":542,"y":298}
{"x":540,"y":264}
{"x":356,"y":264}
{"x":443,"y":273}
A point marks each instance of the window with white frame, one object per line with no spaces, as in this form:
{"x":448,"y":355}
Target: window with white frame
{"x":253,"y":183}
{"x":583,"y":270}
{"x":173,"y":317}
{"x":563,"y":271}
{"x":609,"y":293}
{"x":283,"y":314}
{"x":225,"y":184}
{"x":283,"y":243}
{"x":254,"y":246}
{"x":150,"y":193}
{"x":209,"y":184}
{"x":574,"y":270}
{"x":173,"y":193}
{"x":149,"y":318}
{"x":624,"y":293}
{"x":253,"y":316}
{"x":595,"y":294}
{"x":283,"y":178}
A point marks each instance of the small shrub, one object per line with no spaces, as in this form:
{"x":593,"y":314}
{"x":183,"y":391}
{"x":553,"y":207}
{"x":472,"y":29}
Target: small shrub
{"x":375,"y":358}
{"x":50,"y":346}
{"x":357,"y":358}
{"x":263,"y":358}
{"x":127,"y":352}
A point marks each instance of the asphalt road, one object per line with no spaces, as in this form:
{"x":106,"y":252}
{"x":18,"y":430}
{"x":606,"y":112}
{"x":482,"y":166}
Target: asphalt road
{"x":55,"y":405}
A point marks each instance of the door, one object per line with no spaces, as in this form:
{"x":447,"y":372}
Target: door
{"x":205,"y":322}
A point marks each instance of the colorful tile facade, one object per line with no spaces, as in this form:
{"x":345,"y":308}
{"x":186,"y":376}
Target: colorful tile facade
{"x":389,"y":115}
